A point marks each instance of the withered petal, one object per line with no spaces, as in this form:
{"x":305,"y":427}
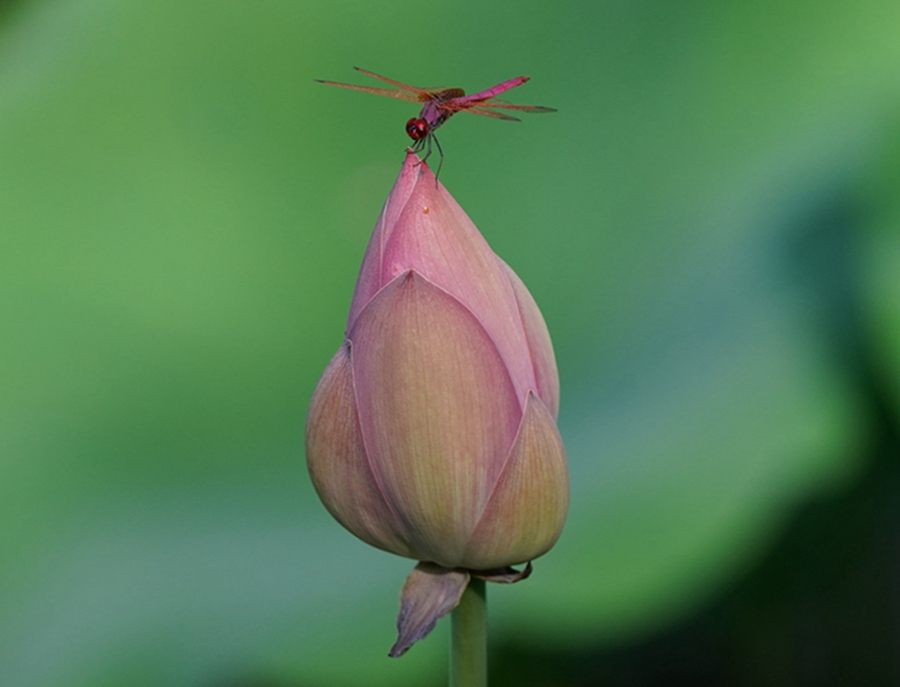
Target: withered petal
{"x":507,"y":575}
{"x":429,"y":593}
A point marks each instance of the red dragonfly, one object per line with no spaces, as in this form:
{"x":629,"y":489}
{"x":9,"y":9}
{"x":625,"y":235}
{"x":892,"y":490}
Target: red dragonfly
{"x":443,"y":103}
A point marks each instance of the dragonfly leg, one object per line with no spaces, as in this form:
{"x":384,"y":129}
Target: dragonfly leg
{"x":441,"y":153}
{"x":427,"y":140}
{"x":426,"y":143}
{"x":417,"y":148}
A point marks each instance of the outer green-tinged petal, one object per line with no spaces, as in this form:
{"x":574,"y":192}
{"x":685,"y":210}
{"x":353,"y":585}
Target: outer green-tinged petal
{"x":437,"y":409}
{"x":539,"y":344}
{"x":526,"y":512}
{"x":337,"y":461}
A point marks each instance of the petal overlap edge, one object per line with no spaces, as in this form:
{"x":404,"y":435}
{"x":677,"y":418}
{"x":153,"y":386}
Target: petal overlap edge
{"x":526,"y":511}
{"x":338,"y":464}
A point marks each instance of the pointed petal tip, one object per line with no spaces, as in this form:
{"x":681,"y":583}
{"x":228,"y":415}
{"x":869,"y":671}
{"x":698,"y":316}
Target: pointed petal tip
{"x":413,"y":164}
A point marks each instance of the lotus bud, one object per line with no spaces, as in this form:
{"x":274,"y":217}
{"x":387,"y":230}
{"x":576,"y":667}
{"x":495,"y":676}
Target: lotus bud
{"x":432,"y":433}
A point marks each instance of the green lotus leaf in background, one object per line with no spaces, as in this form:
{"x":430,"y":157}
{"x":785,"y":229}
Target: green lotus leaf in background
{"x":879,"y":260}
{"x":183,"y":214}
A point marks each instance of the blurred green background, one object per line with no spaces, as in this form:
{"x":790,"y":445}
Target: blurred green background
{"x":709,"y":223}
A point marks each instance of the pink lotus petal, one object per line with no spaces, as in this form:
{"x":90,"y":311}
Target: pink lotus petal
{"x":526,"y":512}
{"x":337,"y":461}
{"x":369,"y":280}
{"x":539,"y":344}
{"x":436,"y":238}
{"x":437,"y":409}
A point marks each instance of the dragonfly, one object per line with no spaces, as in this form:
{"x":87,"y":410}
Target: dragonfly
{"x":443,"y":103}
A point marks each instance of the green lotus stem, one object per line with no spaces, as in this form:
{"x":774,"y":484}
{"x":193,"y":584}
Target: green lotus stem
{"x":468,"y":641}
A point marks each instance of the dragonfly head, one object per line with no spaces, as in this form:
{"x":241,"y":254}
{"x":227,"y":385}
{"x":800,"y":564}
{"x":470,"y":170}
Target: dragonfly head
{"x":417,"y":129}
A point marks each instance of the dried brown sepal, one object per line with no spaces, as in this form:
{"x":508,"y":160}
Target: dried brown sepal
{"x":429,"y":593}
{"x":506,"y":575}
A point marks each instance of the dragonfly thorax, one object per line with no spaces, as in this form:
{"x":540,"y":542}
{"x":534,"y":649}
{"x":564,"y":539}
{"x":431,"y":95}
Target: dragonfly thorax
{"x":447,"y":94}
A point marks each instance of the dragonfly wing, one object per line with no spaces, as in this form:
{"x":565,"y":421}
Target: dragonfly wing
{"x":533,"y":109}
{"x":479,"y":110}
{"x":403,"y":86}
{"x":389,"y":92}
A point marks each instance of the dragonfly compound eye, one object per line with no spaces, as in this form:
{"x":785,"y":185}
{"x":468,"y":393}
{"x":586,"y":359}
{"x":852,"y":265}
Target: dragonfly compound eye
{"x":417,"y":129}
